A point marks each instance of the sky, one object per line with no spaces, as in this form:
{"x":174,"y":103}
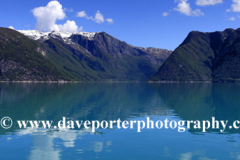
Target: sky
{"x":143,"y":23}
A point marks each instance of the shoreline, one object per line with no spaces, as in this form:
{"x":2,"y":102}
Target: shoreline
{"x":226,"y":81}
{"x":150,"y":82}
{"x":62,"y":82}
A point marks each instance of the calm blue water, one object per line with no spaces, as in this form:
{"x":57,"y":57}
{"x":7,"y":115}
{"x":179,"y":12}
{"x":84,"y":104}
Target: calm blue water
{"x":127,"y":101}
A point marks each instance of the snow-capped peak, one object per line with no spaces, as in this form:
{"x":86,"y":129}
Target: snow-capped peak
{"x":65,"y":36}
{"x":33,"y":34}
{"x":61,"y":34}
{"x":89,"y":35}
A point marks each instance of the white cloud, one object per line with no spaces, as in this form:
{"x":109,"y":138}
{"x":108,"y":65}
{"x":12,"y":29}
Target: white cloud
{"x":235,"y":7}
{"x":68,"y":9}
{"x":109,"y":20}
{"x":165,"y":14}
{"x":99,"y":18}
{"x":80,"y":28}
{"x":207,"y":2}
{"x":11,"y":27}
{"x":197,"y":12}
{"x":69,"y":26}
{"x":48,"y":15}
{"x":232,"y":19}
{"x":184,"y":8}
{"x":82,"y":14}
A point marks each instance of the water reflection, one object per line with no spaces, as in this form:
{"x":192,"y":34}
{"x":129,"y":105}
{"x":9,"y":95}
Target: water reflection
{"x":43,"y":148}
{"x":203,"y":101}
{"x":111,"y":101}
{"x":79,"y":101}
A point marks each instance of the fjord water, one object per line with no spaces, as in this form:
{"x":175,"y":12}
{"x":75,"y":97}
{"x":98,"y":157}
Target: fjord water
{"x":127,"y":101}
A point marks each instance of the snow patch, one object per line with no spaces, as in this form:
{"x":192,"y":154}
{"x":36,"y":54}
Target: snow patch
{"x":65,"y":36}
{"x":89,"y":35}
{"x":33,"y":34}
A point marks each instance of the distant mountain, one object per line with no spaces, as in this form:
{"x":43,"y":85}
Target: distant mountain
{"x":84,"y":56}
{"x":91,"y":56}
{"x":202,"y":56}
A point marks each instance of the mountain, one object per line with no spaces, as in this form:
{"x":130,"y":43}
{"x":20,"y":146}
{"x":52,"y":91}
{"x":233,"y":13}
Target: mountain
{"x":213,"y":56}
{"x":98,"y":56}
{"x":24,"y":59}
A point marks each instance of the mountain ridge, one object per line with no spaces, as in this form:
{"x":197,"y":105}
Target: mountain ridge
{"x":92,"y":56}
{"x":204,"y":56}
{"x":23,"y":59}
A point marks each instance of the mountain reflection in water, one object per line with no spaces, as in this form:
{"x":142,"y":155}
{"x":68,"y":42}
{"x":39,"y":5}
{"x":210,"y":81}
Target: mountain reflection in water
{"x":127,"y":101}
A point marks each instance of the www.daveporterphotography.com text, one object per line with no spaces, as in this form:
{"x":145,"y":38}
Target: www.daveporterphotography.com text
{"x":139,"y":125}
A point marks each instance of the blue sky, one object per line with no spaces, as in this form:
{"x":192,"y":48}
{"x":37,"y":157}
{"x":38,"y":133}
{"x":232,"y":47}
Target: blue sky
{"x":144,"y":23}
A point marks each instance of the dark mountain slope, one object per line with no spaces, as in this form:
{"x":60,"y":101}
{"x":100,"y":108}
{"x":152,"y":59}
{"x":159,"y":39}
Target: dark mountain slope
{"x":82,"y":56}
{"x":204,"y":57}
{"x":104,"y":57}
{"x":24,"y":59}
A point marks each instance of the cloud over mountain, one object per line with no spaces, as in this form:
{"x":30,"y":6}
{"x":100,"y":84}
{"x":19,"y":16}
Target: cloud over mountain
{"x":98,"y":18}
{"x":184,"y":8}
{"x":235,"y":7}
{"x":47,"y":17}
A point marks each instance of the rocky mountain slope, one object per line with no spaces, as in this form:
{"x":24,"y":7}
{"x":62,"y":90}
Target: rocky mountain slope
{"x":78,"y":56}
{"x":99,"y":56}
{"x":202,"y":56}
{"x":24,"y":59}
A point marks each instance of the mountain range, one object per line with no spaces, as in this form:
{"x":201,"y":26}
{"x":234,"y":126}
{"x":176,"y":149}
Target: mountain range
{"x":204,"y":56}
{"x":30,"y":55}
